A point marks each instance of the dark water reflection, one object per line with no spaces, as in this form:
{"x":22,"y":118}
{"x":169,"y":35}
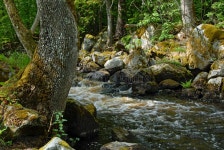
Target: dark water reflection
{"x":155,"y":122}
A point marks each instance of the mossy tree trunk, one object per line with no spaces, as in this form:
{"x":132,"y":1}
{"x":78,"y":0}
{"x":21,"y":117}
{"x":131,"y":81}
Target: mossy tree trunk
{"x":45,"y":82}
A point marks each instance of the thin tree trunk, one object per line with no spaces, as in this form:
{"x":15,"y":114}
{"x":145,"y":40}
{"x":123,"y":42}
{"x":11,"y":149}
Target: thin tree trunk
{"x":36,"y":21}
{"x":109,"y":23}
{"x":120,"y":21}
{"x":23,"y":34}
{"x":188,"y":17}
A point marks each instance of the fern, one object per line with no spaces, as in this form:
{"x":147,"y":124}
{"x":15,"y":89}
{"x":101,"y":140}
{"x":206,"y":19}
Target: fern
{"x":186,"y":84}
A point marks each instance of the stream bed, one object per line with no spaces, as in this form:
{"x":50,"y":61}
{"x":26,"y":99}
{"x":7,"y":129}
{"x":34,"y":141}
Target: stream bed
{"x":156,"y":122}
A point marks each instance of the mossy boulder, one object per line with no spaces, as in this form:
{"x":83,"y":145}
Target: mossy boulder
{"x":169,"y":50}
{"x":146,"y":34}
{"x":199,"y":82}
{"x":136,"y":59}
{"x":56,"y":144}
{"x":101,"y":75}
{"x":205,"y":46}
{"x":101,"y":42}
{"x":22,"y":122}
{"x":214,"y":89}
{"x":89,"y":67}
{"x":169,"y":84}
{"x":101,"y":58}
{"x":165,"y":71}
{"x":81,"y":119}
{"x":88,"y":42}
{"x":217,"y":69}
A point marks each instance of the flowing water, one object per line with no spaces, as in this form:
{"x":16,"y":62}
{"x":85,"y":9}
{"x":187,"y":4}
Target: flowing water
{"x":156,"y":122}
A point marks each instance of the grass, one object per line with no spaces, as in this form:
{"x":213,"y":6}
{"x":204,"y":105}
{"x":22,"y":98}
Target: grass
{"x":16,"y":60}
{"x":180,"y":49}
{"x":165,"y":60}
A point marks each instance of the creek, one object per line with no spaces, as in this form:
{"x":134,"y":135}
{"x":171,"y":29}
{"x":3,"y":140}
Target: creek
{"x":157,"y":122}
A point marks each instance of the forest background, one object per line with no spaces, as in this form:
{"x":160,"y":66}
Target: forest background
{"x":92,"y":17}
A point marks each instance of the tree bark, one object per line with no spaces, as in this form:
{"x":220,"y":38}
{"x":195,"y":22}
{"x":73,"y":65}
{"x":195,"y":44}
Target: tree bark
{"x":71,"y":5}
{"x":23,"y":34}
{"x":109,"y":23}
{"x":188,"y":17}
{"x":45,"y":82}
{"x":119,"y":32}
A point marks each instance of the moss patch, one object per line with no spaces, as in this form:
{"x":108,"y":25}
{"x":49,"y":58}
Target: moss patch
{"x":212,"y":32}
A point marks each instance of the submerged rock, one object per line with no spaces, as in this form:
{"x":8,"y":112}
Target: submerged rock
{"x":121,"y":134}
{"x":150,"y":87}
{"x":122,"y":146}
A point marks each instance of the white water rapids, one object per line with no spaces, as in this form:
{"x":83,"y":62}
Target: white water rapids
{"x":156,"y":122}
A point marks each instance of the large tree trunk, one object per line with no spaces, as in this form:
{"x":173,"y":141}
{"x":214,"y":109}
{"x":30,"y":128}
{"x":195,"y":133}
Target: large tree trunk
{"x":188,"y":17}
{"x":120,"y":21}
{"x":22,"y":32}
{"x":45,"y":83}
{"x":109,"y":23}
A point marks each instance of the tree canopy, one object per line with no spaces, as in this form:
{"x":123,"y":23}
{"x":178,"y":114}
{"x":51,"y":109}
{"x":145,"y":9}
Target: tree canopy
{"x":92,"y":16}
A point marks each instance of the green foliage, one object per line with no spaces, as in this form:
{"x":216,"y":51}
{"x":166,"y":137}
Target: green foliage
{"x":186,"y":84}
{"x":7,"y":33}
{"x":216,"y":15}
{"x":3,"y":141}
{"x":163,"y":14}
{"x":201,"y":8}
{"x":134,"y":44}
{"x":27,"y":11}
{"x":16,"y":60}
{"x":126,"y":39}
{"x":58,"y":125}
{"x":58,"y":128}
{"x":89,"y":13}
